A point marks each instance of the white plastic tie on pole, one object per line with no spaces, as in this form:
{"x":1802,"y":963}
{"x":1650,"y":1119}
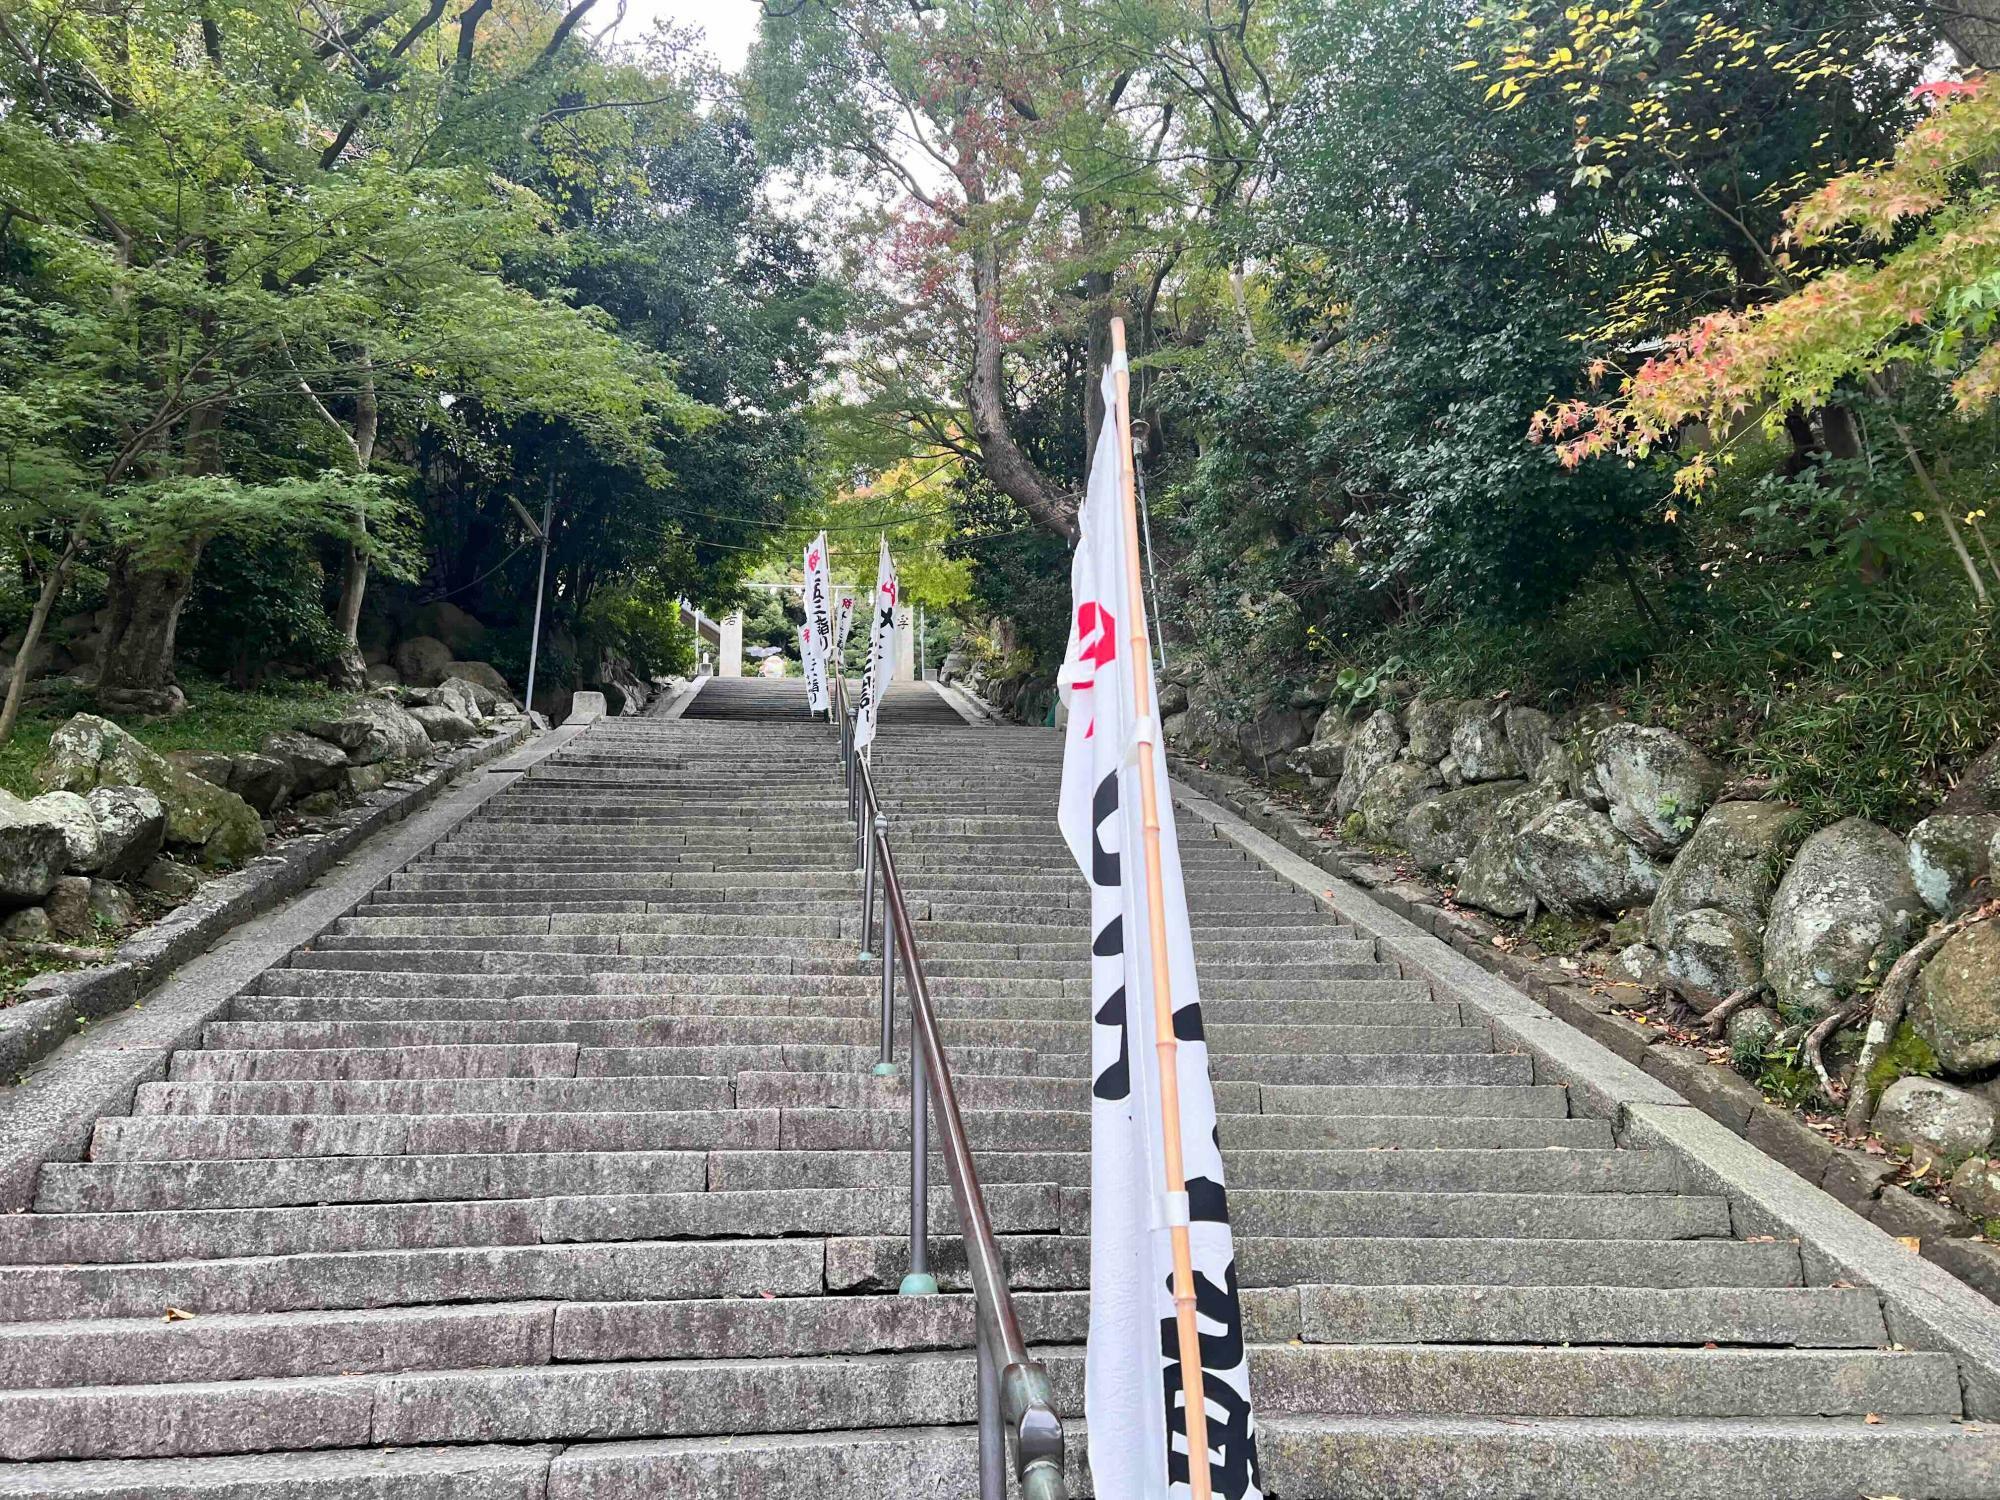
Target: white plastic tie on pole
{"x":1119,"y":364}
{"x":1145,"y":734}
{"x":1176,"y":1210}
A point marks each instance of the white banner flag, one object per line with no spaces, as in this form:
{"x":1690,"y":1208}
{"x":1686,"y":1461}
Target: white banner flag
{"x":881,"y":649}
{"x":819,"y":620}
{"x":815,"y":669}
{"x":843,"y":623}
{"x":1132,"y":1374}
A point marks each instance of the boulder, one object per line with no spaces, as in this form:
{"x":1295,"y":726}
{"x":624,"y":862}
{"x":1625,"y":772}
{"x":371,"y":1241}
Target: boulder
{"x":346,"y":730}
{"x":374,"y":729}
{"x":1750,"y":1030}
{"x":1975,"y":1187}
{"x":169,"y":878}
{"x":1326,"y":752}
{"x":206,"y":764}
{"x":1375,"y":743}
{"x":445,"y":726}
{"x":461,"y":697}
{"x":144,"y":703}
{"x":422,"y":660}
{"x":1977,"y":789}
{"x":30,"y":924}
{"x":1657,"y":784}
{"x":480,"y":675}
{"x":33,"y":852}
{"x":1575,"y":861}
{"x":111,"y":906}
{"x":80,"y":831}
{"x":1442,"y":830}
{"x":1730,"y":864}
{"x":1487,"y":878}
{"x":1264,"y":737}
{"x":90,"y":752}
{"x":263,"y":781}
{"x":1479,"y":743}
{"x":1391,"y":793}
{"x":1842,"y":913}
{"x":448,"y":623}
{"x":1173,"y":695}
{"x":68,"y":907}
{"x":1535,"y":741}
{"x":1428,"y":724}
{"x":1949,"y":852}
{"x":381,"y":674}
{"x":1934,"y":1120}
{"x":315,"y":765}
{"x":132,"y":823}
{"x":358,"y":781}
{"x":1956,"y":1007}
{"x":1711,"y":952}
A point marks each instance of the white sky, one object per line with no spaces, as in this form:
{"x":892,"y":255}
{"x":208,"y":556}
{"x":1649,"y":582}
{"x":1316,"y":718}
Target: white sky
{"x":731,"y":25}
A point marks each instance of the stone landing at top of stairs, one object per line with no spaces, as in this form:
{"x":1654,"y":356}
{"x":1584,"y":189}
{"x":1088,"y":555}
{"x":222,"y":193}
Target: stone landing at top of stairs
{"x":557,"y":1169}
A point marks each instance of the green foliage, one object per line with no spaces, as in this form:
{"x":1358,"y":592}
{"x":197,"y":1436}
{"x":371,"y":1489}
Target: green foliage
{"x":1561,"y":935}
{"x":643,"y":623}
{"x":257,"y":605}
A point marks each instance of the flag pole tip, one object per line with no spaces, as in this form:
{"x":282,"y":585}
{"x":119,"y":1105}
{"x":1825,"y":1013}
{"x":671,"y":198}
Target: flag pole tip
{"x":918,"y":1284}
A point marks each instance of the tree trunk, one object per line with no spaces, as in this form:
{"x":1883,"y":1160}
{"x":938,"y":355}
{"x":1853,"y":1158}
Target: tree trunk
{"x":45,"y":603}
{"x":1843,"y":442}
{"x":146,"y":598}
{"x":999,"y":455}
{"x":349,"y":670}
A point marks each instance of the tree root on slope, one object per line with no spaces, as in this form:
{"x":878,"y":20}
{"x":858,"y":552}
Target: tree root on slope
{"x":1890,"y":1002}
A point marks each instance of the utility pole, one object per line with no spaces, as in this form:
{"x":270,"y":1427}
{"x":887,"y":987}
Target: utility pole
{"x":541,"y":534}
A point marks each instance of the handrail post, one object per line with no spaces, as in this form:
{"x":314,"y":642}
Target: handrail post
{"x":919,"y":1282}
{"x":992,"y":1438}
{"x":886,"y":1063}
{"x":867,"y":893}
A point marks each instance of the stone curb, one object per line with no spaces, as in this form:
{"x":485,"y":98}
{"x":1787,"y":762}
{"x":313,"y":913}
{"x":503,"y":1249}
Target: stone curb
{"x":679,"y":705}
{"x":969,"y":708}
{"x":1925,"y":1306}
{"x":168,"y":981}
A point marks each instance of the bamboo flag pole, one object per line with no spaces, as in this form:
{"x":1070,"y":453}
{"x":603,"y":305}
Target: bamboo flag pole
{"x":1164,"y":1045}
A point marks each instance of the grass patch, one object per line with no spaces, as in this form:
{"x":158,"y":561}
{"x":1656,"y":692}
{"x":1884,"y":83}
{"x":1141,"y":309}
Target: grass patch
{"x":1558,"y":935}
{"x":218,"y":717}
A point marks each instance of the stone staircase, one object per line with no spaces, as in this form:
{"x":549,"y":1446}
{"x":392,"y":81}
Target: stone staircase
{"x":557,"y":1170}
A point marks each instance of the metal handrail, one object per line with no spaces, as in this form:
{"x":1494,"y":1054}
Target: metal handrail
{"x":1015,"y":1397}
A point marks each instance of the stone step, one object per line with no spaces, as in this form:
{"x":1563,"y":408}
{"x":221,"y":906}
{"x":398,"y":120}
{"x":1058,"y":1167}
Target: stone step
{"x":217,"y":1233}
{"x":1043,"y":1262}
{"x":243,"y":1137}
{"x":1824,"y":1317}
{"x":620,"y":1271}
{"x":1355,"y":1005}
{"x":121,"y":1187}
{"x":668,"y":1398}
{"x":1349,"y":961}
{"x":1313,"y":1214}
{"x":1301,"y":945}
{"x":1303,"y":1458}
{"x":437,"y":1096}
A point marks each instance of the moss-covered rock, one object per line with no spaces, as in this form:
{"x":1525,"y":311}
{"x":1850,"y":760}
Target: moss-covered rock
{"x":1957,"y":1004}
{"x":1843,"y":912}
{"x":89,"y":752}
{"x":1949,"y":852}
